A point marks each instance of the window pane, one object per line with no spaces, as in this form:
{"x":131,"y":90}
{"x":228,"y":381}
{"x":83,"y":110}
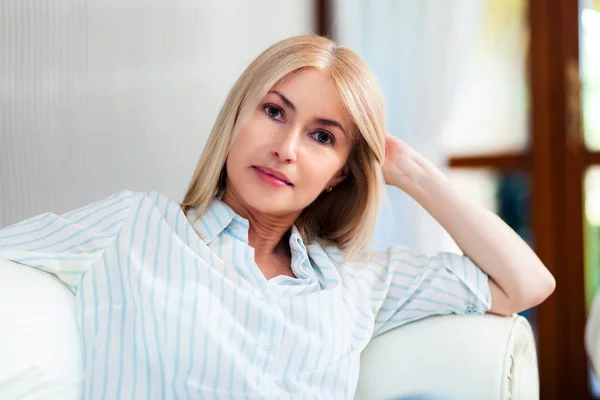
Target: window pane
{"x":490,"y":112}
{"x":592,"y":247}
{"x":590,"y":71}
{"x":592,"y":233}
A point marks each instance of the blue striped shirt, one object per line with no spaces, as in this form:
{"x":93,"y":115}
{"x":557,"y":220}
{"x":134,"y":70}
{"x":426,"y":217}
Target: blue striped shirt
{"x":171,"y":307}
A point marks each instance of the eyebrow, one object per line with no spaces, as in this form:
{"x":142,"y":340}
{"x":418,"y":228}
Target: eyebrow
{"x":322,"y":121}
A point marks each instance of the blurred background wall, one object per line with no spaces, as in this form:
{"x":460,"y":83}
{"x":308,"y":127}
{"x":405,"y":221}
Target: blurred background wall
{"x":99,"y":96}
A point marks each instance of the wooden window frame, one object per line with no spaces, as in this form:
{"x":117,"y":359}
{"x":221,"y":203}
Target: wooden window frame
{"x":556,"y":164}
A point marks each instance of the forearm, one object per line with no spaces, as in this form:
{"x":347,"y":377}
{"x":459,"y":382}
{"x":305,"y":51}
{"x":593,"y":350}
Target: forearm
{"x":483,"y":237}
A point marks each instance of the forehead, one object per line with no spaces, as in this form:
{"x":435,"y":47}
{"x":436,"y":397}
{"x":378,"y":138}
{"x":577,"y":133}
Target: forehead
{"x":314,"y":94}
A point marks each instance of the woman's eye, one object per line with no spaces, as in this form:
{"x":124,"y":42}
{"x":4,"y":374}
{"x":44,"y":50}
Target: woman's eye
{"x":273,"y":112}
{"x":323,"y":137}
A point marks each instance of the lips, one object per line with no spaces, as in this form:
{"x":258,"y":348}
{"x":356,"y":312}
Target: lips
{"x":275,"y":173}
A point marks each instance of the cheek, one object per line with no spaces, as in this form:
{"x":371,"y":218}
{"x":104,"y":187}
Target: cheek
{"x":253,"y":136}
{"x":243,"y":147}
{"x":243,"y":144}
{"x":240,"y":141}
{"x":318,"y":174}
{"x":237,"y":154}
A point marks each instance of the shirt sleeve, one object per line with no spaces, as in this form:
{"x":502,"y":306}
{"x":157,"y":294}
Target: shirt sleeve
{"x":66,"y":245}
{"x":403,"y":285}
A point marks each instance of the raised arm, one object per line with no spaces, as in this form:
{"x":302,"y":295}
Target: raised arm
{"x":518,"y":279}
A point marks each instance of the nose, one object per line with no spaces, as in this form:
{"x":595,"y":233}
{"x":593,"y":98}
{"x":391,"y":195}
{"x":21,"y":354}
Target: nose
{"x":286,"y":147}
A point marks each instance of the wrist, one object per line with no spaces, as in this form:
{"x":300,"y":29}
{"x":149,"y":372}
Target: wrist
{"x":423,"y":180}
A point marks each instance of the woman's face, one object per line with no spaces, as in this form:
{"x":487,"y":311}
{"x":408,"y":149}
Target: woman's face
{"x":294,"y":146}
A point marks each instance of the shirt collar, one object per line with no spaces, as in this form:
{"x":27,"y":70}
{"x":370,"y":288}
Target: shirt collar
{"x":219,"y":216}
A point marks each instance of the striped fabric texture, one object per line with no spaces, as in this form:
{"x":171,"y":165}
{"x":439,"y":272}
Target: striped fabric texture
{"x":172,"y":306}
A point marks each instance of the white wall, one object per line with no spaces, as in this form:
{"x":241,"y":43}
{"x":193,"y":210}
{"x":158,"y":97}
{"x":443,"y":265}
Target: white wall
{"x":99,"y":96}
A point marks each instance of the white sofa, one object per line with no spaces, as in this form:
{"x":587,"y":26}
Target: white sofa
{"x":460,"y":357}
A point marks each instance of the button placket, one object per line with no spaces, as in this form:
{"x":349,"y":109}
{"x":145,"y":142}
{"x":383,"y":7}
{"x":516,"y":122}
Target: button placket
{"x":266,"y":344}
{"x":272,"y":335}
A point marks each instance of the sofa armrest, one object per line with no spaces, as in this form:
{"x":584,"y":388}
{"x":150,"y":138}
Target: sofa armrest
{"x":459,"y":357}
{"x":40,"y":355}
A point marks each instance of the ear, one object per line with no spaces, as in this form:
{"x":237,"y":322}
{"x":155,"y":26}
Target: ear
{"x":340,"y":176}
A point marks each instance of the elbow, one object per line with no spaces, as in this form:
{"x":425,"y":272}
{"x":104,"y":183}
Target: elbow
{"x":527,"y":292}
{"x":537,"y":291}
{"x":551,"y":285}
{"x":548,"y":287}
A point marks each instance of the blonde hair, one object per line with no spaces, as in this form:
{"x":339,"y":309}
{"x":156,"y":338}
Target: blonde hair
{"x":346,"y":216}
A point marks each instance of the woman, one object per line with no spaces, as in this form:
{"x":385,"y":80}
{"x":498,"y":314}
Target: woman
{"x":260,"y":283}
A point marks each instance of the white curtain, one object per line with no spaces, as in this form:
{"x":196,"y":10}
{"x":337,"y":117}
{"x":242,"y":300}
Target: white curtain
{"x":417,"y":49}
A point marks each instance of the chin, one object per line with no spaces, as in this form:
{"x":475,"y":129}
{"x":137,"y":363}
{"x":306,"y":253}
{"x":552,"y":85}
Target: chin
{"x":267,"y":200}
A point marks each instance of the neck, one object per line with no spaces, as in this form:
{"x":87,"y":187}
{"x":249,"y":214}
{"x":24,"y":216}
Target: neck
{"x":268,"y":234}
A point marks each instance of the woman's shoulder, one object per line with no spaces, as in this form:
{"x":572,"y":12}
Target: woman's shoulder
{"x":337,"y":253}
{"x":371,"y":255}
{"x":153,"y":202}
{"x":117,"y":203}
{"x":159,"y":199}
{"x":137,"y":208}
{"x":167,"y":209}
{"x":126,"y":201}
{"x":332,"y":249}
{"x":150,"y":196}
